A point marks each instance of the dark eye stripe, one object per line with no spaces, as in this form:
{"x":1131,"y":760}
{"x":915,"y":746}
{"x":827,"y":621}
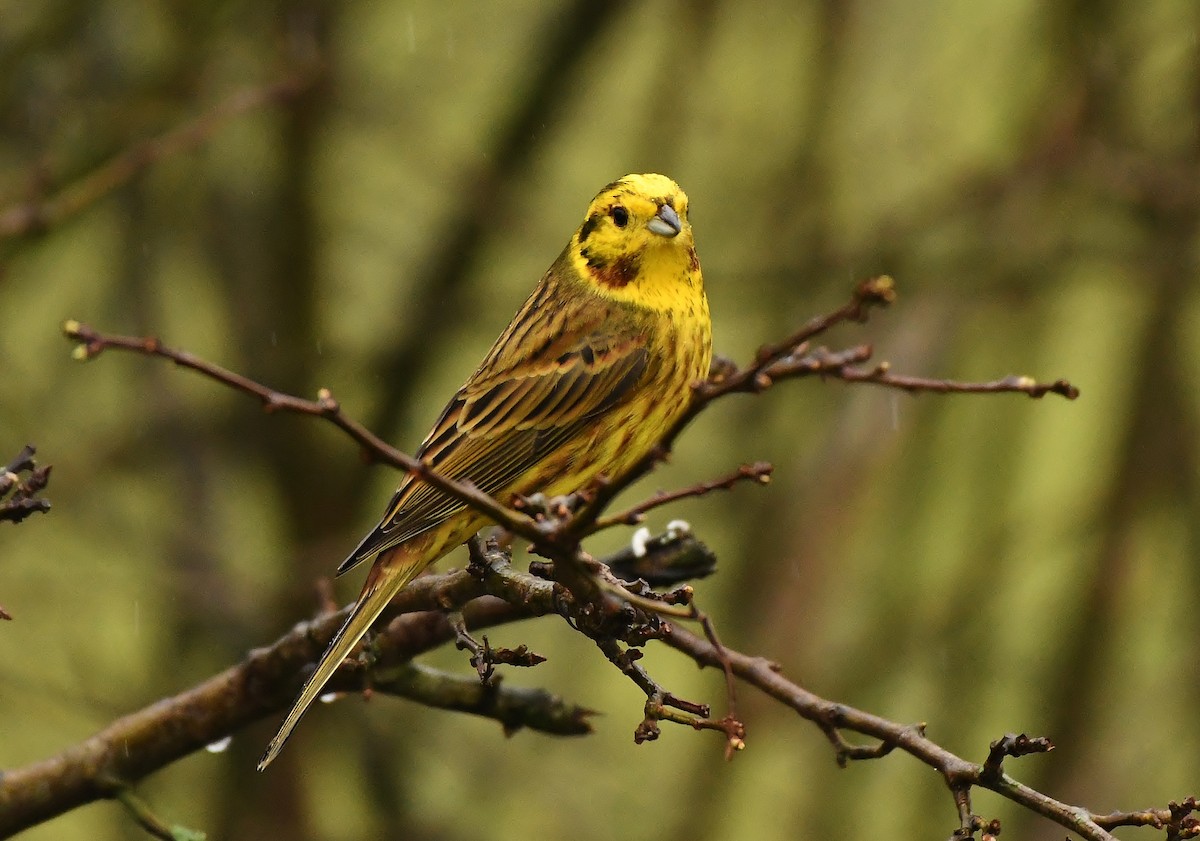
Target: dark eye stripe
{"x":588,"y":226}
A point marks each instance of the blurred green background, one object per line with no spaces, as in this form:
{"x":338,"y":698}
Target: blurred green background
{"x":1030,"y":174}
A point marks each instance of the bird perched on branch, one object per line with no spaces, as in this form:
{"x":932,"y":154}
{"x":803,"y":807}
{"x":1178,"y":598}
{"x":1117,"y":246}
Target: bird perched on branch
{"x":587,"y":377}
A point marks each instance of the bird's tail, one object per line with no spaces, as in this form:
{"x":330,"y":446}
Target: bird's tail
{"x":392,"y":570}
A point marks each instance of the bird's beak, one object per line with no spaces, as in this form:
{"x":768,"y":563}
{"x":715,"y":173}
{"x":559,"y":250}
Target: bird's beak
{"x":666,"y":222}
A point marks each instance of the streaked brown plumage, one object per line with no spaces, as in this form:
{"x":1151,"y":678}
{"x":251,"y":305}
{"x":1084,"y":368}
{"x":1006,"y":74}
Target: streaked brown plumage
{"x":583,"y":381}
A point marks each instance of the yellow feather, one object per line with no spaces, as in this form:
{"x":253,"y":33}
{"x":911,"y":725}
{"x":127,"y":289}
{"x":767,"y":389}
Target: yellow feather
{"x":585,"y":379}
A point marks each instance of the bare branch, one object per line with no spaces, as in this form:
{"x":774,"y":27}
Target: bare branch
{"x":1180,"y":819}
{"x":960,"y":775}
{"x":873,"y":292}
{"x":560,"y":537}
{"x":514,"y":707}
{"x":882,"y":375}
{"x":490,"y":593}
{"x":92,"y":343}
{"x":790,"y":359}
{"x":618,"y":616}
{"x":844,"y":365}
{"x":138,"y":744}
{"x":38,"y":216}
{"x":484,"y":658}
{"x":759,"y":472}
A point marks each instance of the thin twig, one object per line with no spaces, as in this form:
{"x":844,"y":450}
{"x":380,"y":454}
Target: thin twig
{"x":882,"y":375}
{"x":145,"y":817}
{"x":561,"y":538}
{"x":790,"y":359}
{"x":92,"y":343}
{"x":873,"y":292}
{"x":759,"y":472}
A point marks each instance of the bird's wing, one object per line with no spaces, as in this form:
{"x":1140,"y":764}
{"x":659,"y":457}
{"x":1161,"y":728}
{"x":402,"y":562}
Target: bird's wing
{"x":508,"y":418}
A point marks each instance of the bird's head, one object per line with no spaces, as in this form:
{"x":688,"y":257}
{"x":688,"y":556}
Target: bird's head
{"x":636,"y":235}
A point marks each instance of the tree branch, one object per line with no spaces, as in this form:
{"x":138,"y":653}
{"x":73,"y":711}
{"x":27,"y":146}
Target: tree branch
{"x":92,"y":343}
{"x":138,"y":744}
{"x":106,"y":765}
{"x":759,"y":472}
{"x":40,"y":215}
{"x":791,"y":358}
{"x":557,"y":536}
{"x":514,"y":707}
{"x":960,"y":774}
{"x":619,"y":616}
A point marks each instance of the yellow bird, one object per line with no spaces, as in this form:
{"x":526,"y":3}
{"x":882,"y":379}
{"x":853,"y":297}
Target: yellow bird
{"x":591,"y":371}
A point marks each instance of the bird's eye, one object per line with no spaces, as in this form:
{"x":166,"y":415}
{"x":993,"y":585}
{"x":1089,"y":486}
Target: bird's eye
{"x":620,"y":216}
